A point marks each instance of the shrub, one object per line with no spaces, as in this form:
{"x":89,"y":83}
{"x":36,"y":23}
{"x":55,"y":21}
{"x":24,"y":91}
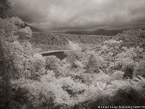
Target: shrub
{"x":92,"y":65}
{"x":140,"y":69}
{"x":117,"y":75}
{"x":38,"y":66}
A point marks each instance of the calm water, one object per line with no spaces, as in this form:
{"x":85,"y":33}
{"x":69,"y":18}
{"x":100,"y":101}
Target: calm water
{"x":59,"y":54}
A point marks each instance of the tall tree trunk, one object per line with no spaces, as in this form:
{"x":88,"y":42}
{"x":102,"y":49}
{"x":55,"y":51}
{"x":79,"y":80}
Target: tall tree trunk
{"x":5,"y":73}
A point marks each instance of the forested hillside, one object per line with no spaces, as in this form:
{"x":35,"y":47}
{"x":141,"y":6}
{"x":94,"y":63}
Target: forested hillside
{"x":132,"y":37}
{"x":87,"y":78}
{"x":60,"y":40}
{"x":110,"y":72}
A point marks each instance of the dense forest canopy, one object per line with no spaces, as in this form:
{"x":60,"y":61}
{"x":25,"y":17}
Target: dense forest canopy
{"x":97,"y":71}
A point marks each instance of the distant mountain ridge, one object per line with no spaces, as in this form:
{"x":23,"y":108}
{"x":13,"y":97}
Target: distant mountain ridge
{"x":112,"y":32}
{"x":97,"y":32}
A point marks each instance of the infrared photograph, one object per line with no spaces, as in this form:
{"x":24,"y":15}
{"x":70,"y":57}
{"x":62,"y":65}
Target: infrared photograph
{"x":72,"y":54}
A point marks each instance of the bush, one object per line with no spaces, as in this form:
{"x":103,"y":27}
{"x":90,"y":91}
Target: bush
{"x":92,"y":65}
{"x":140,"y":69}
{"x":38,"y":66}
{"x":117,"y":75}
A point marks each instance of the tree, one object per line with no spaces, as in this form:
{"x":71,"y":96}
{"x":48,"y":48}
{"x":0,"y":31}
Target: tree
{"x":5,"y":5}
{"x":12,"y":52}
{"x":92,"y":65}
{"x":6,"y":71}
{"x":6,"y":32}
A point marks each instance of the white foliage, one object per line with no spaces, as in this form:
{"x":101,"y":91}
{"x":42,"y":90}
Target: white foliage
{"x":73,"y":46}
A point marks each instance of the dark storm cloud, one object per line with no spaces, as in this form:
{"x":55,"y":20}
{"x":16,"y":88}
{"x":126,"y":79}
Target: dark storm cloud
{"x":81,"y":14}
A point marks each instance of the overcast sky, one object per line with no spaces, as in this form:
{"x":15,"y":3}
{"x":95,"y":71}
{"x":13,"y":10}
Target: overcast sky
{"x":81,"y":14}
